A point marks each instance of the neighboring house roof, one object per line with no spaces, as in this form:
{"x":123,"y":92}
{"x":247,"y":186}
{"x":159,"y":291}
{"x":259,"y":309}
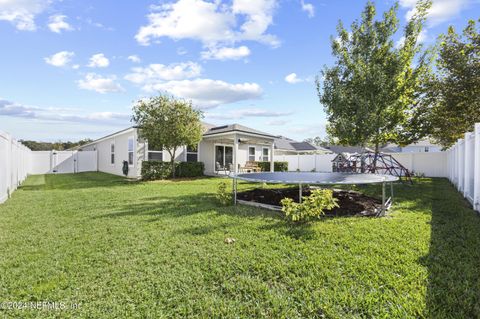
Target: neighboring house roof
{"x":348,"y":149}
{"x":235,"y":128}
{"x":394,"y":148}
{"x":287,"y":144}
{"x":423,"y":142}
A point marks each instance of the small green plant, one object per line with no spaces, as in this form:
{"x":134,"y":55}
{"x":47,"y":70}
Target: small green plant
{"x":419,"y":174}
{"x":224,"y":196}
{"x":353,"y":187}
{"x":312,"y":206}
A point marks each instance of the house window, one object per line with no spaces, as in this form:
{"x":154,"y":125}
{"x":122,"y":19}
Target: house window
{"x":112,"y":153}
{"x":155,"y":153}
{"x":192,"y":154}
{"x":251,"y":154}
{"x":265,"y":154}
{"x":130,"y":151}
{"x":427,"y":149}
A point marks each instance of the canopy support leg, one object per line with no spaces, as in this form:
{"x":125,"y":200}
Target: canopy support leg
{"x":300,"y":193}
{"x":384,"y":207}
{"x":235,"y":191}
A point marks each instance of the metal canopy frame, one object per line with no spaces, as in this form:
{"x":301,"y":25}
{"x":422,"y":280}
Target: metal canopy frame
{"x":316,"y":179}
{"x":376,"y":163}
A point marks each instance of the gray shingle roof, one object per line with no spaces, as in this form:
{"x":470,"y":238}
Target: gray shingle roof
{"x":284,"y":143}
{"x":234,"y":128}
{"x":348,"y":149}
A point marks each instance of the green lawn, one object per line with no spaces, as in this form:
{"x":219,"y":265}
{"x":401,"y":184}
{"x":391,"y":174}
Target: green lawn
{"x":124,"y":249}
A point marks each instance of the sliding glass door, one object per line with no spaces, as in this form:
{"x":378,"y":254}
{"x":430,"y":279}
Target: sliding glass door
{"x":223,"y":155}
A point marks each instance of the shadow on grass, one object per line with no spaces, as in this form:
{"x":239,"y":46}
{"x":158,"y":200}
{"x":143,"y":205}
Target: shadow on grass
{"x":454,"y":258}
{"x":75,"y":181}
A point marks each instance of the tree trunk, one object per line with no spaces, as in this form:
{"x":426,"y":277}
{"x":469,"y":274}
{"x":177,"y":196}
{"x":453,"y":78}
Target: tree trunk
{"x":172,"y":161}
{"x":375,"y":158}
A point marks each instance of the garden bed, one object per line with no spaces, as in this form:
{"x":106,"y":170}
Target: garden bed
{"x":351,"y":203}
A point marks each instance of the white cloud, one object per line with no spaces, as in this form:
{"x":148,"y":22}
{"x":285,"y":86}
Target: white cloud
{"x":134,"y":58}
{"x":276,"y":122}
{"x":181,"y":51}
{"x":12,"y":109}
{"x":22,"y":13}
{"x":155,"y":73}
{"x":258,"y":17}
{"x":207,"y":93}
{"x":98,"y":60}
{"x":308,"y":8}
{"x":60,"y":59}
{"x":248,"y":112}
{"x":226,"y":53}
{"x":441,"y":10}
{"x":292,"y":78}
{"x":211,"y":23}
{"x":100,"y":84}
{"x":57,"y":23}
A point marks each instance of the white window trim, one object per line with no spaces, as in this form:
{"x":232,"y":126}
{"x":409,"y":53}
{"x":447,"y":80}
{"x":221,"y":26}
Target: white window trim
{"x":254,"y":153}
{"x":268,"y":149}
{"x":214,"y":149}
{"x":150,"y":151}
{"x":187,"y":152}
{"x":114,"y":150}
{"x":133,"y":151}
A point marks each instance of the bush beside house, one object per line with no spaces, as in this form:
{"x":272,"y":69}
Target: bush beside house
{"x":277,"y":166}
{"x":153,"y":170}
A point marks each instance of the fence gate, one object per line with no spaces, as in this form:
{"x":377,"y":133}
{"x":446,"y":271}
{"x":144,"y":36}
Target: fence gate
{"x":61,"y":162}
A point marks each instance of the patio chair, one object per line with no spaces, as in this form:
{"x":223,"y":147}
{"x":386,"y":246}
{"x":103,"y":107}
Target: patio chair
{"x":219,"y":168}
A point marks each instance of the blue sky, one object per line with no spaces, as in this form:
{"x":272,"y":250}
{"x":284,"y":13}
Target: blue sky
{"x":72,"y":69}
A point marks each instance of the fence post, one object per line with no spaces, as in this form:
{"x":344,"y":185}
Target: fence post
{"x":466,"y":170}
{"x":476,"y":168}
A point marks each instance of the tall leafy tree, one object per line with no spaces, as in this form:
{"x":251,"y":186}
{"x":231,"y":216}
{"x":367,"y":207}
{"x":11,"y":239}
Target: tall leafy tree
{"x":453,"y":92}
{"x":369,"y":92}
{"x":169,"y":122}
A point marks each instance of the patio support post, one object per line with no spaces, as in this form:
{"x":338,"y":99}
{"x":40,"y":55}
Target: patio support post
{"x":272,"y":163}
{"x":235,"y":152}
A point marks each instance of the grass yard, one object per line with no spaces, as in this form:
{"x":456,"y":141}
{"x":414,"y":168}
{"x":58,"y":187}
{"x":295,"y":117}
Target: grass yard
{"x":122,"y":249}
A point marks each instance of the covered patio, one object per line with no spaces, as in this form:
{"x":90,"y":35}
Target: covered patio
{"x":232,"y":148}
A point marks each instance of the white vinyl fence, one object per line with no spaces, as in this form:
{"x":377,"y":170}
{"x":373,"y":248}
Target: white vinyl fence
{"x":430,"y":164}
{"x":464,"y":166}
{"x":307,"y":162}
{"x":17,"y":161}
{"x":50,"y":162}
{"x":14,"y":165}
{"x":434,"y":164}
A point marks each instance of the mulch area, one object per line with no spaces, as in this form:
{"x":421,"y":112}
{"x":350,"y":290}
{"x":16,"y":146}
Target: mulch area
{"x":351,"y":203}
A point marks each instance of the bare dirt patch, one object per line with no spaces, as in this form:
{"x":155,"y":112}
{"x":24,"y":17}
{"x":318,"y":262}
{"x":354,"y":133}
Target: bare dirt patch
{"x":351,"y":203}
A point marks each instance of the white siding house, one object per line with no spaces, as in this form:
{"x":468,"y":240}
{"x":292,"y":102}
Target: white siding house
{"x":116,"y":148}
{"x":223,"y":149}
{"x":422,"y":146}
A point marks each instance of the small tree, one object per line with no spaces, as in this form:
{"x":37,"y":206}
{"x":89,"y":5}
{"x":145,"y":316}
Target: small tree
{"x":369,"y":91}
{"x":169,"y":122}
{"x":454,"y":90}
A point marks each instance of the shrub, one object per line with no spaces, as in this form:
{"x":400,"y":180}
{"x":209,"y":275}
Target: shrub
{"x":153,"y":170}
{"x":224,"y":196}
{"x":189,"y":169}
{"x":312,"y":206}
{"x":277,"y":166}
